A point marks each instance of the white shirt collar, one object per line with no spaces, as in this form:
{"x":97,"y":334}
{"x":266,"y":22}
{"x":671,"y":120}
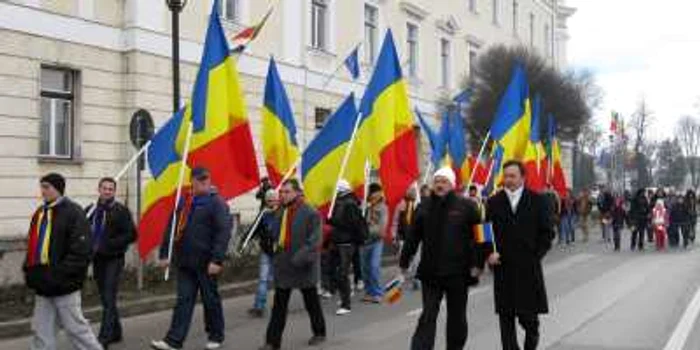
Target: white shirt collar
{"x":514,"y":197}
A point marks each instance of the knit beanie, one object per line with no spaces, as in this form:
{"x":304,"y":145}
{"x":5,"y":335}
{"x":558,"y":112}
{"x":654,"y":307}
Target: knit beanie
{"x":56,"y":180}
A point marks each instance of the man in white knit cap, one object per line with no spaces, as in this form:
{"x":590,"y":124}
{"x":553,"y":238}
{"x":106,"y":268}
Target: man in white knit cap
{"x":448,"y":259}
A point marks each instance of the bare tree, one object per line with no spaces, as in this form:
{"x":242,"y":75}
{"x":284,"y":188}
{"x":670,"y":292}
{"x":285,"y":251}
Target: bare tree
{"x":590,"y":138}
{"x":688,"y":131}
{"x":640,"y":122}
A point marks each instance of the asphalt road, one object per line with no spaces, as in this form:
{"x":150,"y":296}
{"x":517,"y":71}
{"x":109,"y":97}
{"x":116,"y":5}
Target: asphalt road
{"x":598,"y":299}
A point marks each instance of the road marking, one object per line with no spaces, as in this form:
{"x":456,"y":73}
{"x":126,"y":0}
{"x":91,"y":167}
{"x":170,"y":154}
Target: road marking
{"x":685,"y":325}
{"x":556,"y":267}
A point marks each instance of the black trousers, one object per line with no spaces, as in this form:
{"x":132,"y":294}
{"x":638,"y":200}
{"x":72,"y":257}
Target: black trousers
{"x":638,"y":236}
{"x":278,"y":319}
{"x":456,"y":290}
{"x":107,"y":272}
{"x":345,"y":254}
{"x":509,"y":337}
{"x":356,"y":267}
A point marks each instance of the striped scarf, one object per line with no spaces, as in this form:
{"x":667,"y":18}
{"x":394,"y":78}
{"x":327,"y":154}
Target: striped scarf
{"x":40,"y":234}
{"x":285,"y":239}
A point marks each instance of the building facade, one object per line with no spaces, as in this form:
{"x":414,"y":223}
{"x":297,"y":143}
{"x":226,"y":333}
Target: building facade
{"x":72,"y":72}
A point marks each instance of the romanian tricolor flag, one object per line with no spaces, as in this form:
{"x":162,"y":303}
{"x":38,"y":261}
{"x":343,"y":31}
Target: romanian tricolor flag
{"x":457,"y":145}
{"x":158,"y":201}
{"x":495,"y":164}
{"x":221,"y":139}
{"x":511,"y":125}
{"x":557,"y":178}
{"x":248,"y":34}
{"x":535,"y":164}
{"x":435,"y":139}
{"x":387,"y":128}
{"x":278,"y":128}
{"x":392,"y":291}
{"x":322,"y":160}
{"x":483,"y":233}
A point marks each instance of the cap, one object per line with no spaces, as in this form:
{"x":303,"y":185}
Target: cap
{"x":200,"y":173}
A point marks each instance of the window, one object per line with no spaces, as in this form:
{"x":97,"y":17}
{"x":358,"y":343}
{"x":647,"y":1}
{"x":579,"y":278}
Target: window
{"x":515,"y":17}
{"x":412,"y":45}
{"x":445,"y":62}
{"x":473,"y":55}
{"x":472,"y":6}
{"x":496,"y":12}
{"x":319,"y":20}
{"x":547,"y":41}
{"x":57,"y":99}
{"x":371,"y":25}
{"x":532,"y":29}
{"x":230,"y":10}
{"x":320,"y":116}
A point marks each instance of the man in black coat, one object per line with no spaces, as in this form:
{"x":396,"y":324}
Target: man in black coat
{"x":523,"y":235}
{"x":58,"y":255}
{"x":202,"y":232}
{"x":113,"y":231}
{"x":348,"y":232}
{"x":443,"y":226}
{"x":639,"y":213}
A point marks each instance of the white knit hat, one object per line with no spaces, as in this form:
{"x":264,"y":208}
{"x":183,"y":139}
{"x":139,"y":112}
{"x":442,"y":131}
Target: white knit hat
{"x":448,"y":174}
{"x":343,"y":186}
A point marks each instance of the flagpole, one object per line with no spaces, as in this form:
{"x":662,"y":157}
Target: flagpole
{"x":488,"y":176}
{"x":366,"y":189}
{"x":478,"y":158}
{"x":178,"y":195}
{"x":428,"y":170}
{"x":342,"y":63}
{"x":124,"y":169}
{"x":344,"y":164}
{"x":288,"y":174}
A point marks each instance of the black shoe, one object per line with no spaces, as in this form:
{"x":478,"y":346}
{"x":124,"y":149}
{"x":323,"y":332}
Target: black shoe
{"x":317,"y":340}
{"x":105,"y":344}
{"x":257,"y":313}
{"x":269,"y":347}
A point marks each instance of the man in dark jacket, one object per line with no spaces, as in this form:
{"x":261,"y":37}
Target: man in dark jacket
{"x":348,"y":232}
{"x":639,"y":213}
{"x":58,"y":255}
{"x":523,"y":236}
{"x":113,"y":231}
{"x":605,"y":207}
{"x":266,"y":235}
{"x":202,"y":232}
{"x":443,"y":226}
{"x":296,"y":265}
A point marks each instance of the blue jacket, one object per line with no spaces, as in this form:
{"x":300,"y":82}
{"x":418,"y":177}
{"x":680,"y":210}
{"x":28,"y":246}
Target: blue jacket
{"x":206,"y":234}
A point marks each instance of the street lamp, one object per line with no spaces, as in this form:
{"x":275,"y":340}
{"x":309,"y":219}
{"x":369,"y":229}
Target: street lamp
{"x":175,"y":7}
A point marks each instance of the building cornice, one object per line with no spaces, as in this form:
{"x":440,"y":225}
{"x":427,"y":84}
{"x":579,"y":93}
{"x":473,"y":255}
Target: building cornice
{"x":414,"y":10}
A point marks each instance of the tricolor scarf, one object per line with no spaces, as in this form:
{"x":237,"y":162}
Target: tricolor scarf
{"x":99,"y":222}
{"x":40,"y":234}
{"x":184,"y":216}
{"x":285,"y":239}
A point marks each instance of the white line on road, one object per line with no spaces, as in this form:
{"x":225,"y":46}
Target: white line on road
{"x":685,"y":325}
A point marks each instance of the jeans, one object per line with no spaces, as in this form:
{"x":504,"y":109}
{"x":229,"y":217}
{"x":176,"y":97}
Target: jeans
{"x":264,"y":278}
{"x":606,"y":228}
{"x":65,"y":311}
{"x":456,"y":290}
{"x":278,"y":319}
{"x":107,"y":273}
{"x":345,"y":253}
{"x":189,"y":282}
{"x":371,"y":268}
{"x":566,"y":230}
{"x":509,"y":338}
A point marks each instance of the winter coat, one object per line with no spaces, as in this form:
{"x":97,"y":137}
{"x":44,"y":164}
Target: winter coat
{"x":267,"y":231}
{"x":205,"y":235}
{"x":348,"y":225}
{"x":68,"y":253}
{"x":299,"y":267}
{"x":377,"y":219}
{"x":443,"y":226}
{"x":119,"y":230}
{"x":640,"y":211}
{"x":523,"y":238}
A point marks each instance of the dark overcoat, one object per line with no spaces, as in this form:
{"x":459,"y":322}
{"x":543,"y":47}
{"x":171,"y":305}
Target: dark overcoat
{"x":522,"y":239}
{"x":300,"y":266}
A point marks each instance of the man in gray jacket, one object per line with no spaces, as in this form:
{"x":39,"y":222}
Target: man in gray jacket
{"x":296,"y":265}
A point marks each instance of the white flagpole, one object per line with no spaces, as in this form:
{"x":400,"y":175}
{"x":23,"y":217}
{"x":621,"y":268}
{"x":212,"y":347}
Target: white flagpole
{"x":344,"y":164}
{"x":289,"y":174}
{"x":428,"y":170}
{"x":335,"y":72}
{"x":366,"y":190}
{"x":478,"y":158}
{"x":178,"y":195}
{"x":123,"y":171}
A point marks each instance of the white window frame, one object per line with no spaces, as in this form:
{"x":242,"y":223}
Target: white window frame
{"x":56,"y":98}
{"x":322,"y":42}
{"x":445,"y":66}
{"x":370,"y":50}
{"x":496,"y":12}
{"x":472,"y":47}
{"x":237,"y":17}
{"x":532,"y":29}
{"x":413,"y":70}
{"x":473,"y":6}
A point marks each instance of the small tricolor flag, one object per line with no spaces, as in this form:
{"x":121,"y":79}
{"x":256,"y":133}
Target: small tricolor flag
{"x":248,"y":34}
{"x":352,"y":63}
{"x":483,"y":233}
{"x":392,"y":291}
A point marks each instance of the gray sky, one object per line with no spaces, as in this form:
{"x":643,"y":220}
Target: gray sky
{"x":640,"y":48}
